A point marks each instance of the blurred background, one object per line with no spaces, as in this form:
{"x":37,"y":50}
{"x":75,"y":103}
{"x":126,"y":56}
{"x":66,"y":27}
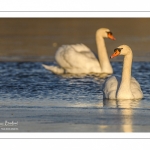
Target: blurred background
{"x":37,"y":39}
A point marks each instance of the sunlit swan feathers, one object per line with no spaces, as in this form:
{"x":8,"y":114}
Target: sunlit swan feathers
{"x":126,"y":87}
{"x":78,"y":58}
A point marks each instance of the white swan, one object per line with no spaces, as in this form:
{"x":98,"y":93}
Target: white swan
{"x":77,"y":59}
{"x":125,"y":87}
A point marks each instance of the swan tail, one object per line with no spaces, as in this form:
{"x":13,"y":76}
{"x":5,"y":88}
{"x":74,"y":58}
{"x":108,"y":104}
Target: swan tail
{"x":54,"y":69}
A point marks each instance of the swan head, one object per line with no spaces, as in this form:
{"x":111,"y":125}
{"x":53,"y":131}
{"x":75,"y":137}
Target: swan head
{"x":121,"y":50}
{"x":105,"y":33}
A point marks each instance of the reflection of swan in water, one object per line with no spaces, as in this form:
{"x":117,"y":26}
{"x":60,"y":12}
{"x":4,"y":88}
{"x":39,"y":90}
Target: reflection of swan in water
{"x":125,"y":112}
{"x":127,"y":87}
{"x":78,"y":59}
{"x":121,"y":103}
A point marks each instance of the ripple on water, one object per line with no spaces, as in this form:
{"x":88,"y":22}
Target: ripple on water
{"x":28,"y":84}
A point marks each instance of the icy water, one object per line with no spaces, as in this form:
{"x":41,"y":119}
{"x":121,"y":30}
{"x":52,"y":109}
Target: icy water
{"x":40,"y":101}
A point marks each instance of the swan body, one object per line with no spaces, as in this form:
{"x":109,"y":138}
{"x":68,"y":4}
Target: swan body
{"x":126,"y":87}
{"x":78,"y":58}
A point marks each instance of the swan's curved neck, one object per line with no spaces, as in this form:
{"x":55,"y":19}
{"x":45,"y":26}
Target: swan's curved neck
{"x":102,"y":55}
{"x":124,"y":90}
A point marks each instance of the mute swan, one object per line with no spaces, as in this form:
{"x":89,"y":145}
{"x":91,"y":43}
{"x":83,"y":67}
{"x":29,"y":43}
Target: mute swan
{"x":77,"y":59}
{"x":125,"y":87}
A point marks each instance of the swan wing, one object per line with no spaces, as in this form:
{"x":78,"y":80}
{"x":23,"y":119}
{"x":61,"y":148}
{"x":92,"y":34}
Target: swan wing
{"x":76,"y":56}
{"x":79,"y":51}
{"x":79,"y":47}
{"x":110,"y":87}
{"x":136,"y":89}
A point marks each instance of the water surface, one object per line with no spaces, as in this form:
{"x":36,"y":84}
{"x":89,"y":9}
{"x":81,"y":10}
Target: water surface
{"x":42,"y":101}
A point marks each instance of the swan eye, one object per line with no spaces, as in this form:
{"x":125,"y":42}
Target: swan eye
{"x":115,"y":50}
{"x":118,"y":49}
{"x":110,"y":33}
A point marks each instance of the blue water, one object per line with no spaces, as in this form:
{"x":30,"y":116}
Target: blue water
{"x":41,"y":96}
{"x":30,"y":85}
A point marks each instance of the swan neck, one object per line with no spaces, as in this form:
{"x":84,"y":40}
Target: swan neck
{"x":126,"y":73}
{"x":102,"y":55}
{"x":125,"y":85}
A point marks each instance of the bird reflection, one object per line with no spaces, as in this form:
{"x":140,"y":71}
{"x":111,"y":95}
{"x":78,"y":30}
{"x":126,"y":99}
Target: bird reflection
{"x":121,"y":103}
{"x":125,"y":111}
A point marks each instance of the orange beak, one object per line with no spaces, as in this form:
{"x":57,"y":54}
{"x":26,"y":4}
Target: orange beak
{"x":111,"y":36}
{"x":116,"y":53}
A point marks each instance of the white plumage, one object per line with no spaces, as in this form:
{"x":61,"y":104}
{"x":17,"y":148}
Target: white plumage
{"x":78,"y":58}
{"x":127,"y":86}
